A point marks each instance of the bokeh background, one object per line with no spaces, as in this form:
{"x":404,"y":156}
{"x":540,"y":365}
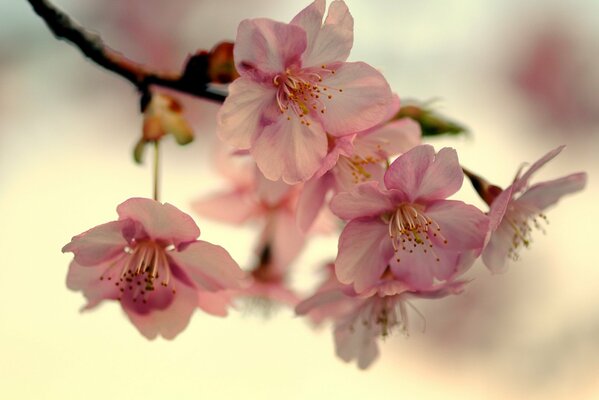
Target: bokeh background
{"x":522,"y":75}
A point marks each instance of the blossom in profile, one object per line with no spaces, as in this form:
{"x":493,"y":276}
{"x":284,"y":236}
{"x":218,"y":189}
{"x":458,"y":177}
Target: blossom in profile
{"x":151,"y":262}
{"x":515,"y":211}
{"x":251,"y":198}
{"x":408,"y":225}
{"x":361,"y":319}
{"x":295,"y":90}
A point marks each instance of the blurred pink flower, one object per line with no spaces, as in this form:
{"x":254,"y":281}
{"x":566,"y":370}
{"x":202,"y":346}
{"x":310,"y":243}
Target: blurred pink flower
{"x":296,"y":88}
{"x":360,"y":319}
{"x":519,"y":206}
{"x":408,"y":226}
{"x":273,"y":204}
{"x":149,"y":260}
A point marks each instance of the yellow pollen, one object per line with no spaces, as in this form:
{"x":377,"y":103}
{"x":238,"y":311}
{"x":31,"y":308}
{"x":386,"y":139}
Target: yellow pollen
{"x":409,"y":223}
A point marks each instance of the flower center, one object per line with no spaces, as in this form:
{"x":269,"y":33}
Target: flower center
{"x":522,"y":219}
{"x":303,"y":92}
{"x":383,"y":315}
{"x":410,"y":229}
{"x":144,"y":263}
{"x":357,"y":166}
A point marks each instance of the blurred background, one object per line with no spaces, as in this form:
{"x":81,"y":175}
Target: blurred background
{"x":523,"y":76}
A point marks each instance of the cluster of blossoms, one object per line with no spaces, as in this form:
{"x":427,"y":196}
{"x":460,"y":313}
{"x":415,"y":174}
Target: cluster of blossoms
{"x":312,"y":134}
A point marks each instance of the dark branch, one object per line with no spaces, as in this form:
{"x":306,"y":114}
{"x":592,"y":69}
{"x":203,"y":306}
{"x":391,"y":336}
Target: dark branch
{"x":93,"y":48}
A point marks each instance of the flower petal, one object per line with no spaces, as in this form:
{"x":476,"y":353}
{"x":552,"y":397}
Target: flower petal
{"x":160,"y":221}
{"x":170,"y":321}
{"x":290,"y":150}
{"x":241,"y":117}
{"x":215,"y":303}
{"x":99,"y":244}
{"x":265,"y":47}
{"x":364,"y":253}
{"x":233,"y":207}
{"x":287,"y":241}
{"x":463,"y":226}
{"x":545,"y":194}
{"x":406,"y":173}
{"x":330,"y":42}
{"x":366,"y":200}
{"x":497,"y":249}
{"x":392,"y":138}
{"x":311,"y":200}
{"x":87,"y":280}
{"x":521,"y":182}
{"x":355,"y":340}
{"x":443,"y":177}
{"x":210,"y":266}
{"x":360,"y":98}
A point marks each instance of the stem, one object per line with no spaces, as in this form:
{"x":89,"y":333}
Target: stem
{"x":156,"y":169}
{"x":63,"y":27}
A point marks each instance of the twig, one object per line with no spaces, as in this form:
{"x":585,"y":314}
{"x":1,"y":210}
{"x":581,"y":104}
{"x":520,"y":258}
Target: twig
{"x":63,"y":27}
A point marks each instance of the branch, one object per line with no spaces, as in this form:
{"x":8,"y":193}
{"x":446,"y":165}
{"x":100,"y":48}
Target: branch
{"x":93,"y":48}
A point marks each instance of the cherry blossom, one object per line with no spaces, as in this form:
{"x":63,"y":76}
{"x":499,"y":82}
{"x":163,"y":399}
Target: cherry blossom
{"x":515,"y":211}
{"x":296,"y":90}
{"x":408,"y":225}
{"x":150,"y":261}
{"x":361,"y":318}
{"x":251,"y":197}
{"x":355,"y":159}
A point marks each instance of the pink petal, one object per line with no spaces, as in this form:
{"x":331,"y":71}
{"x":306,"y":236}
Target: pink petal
{"x":360,"y":98}
{"x":497,"y":249}
{"x":342,"y":147}
{"x":99,"y":244}
{"x":545,"y":194}
{"x":418,"y":269}
{"x":355,"y":340}
{"x":290,"y":150}
{"x":310,"y":19}
{"x":270,"y":192}
{"x":241,"y":117}
{"x":463,"y":226}
{"x":330,"y":42}
{"x":215,"y":303}
{"x":311,"y":201}
{"x":499,"y":208}
{"x":521,"y":182}
{"x":406,"y":173}
{"x":422,"y":176}
{"x":159,"y":299}
{"x":364,"y":253}
{"x":265,"y":47}
{"x":287,"y":241}
{"x":210,"y":266}
{"x":366,"y":200}
{"x":87,"y":280}
{"x":233,"y":207}
{"x":443,"y":177}
{"x":168,"y":322}
{"x":392,"y":138}
{"x":160,"y":221}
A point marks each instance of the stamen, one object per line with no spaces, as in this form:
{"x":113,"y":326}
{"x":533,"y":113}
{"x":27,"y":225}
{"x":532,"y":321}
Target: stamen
{"x":410,"y":224}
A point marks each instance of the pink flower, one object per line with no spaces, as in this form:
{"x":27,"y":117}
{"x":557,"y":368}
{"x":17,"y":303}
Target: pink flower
{"x":360,"y":319}
{"x":273,"y":204}
{"x":408,"y":226}
{"x":295,"y":88}
{"x":355,"y":159}
{"x":519,"y":208}
{"x":149,"y":260}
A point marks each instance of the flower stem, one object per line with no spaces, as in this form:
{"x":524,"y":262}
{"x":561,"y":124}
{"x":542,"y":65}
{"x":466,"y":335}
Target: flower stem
{"x":156,"y":169}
